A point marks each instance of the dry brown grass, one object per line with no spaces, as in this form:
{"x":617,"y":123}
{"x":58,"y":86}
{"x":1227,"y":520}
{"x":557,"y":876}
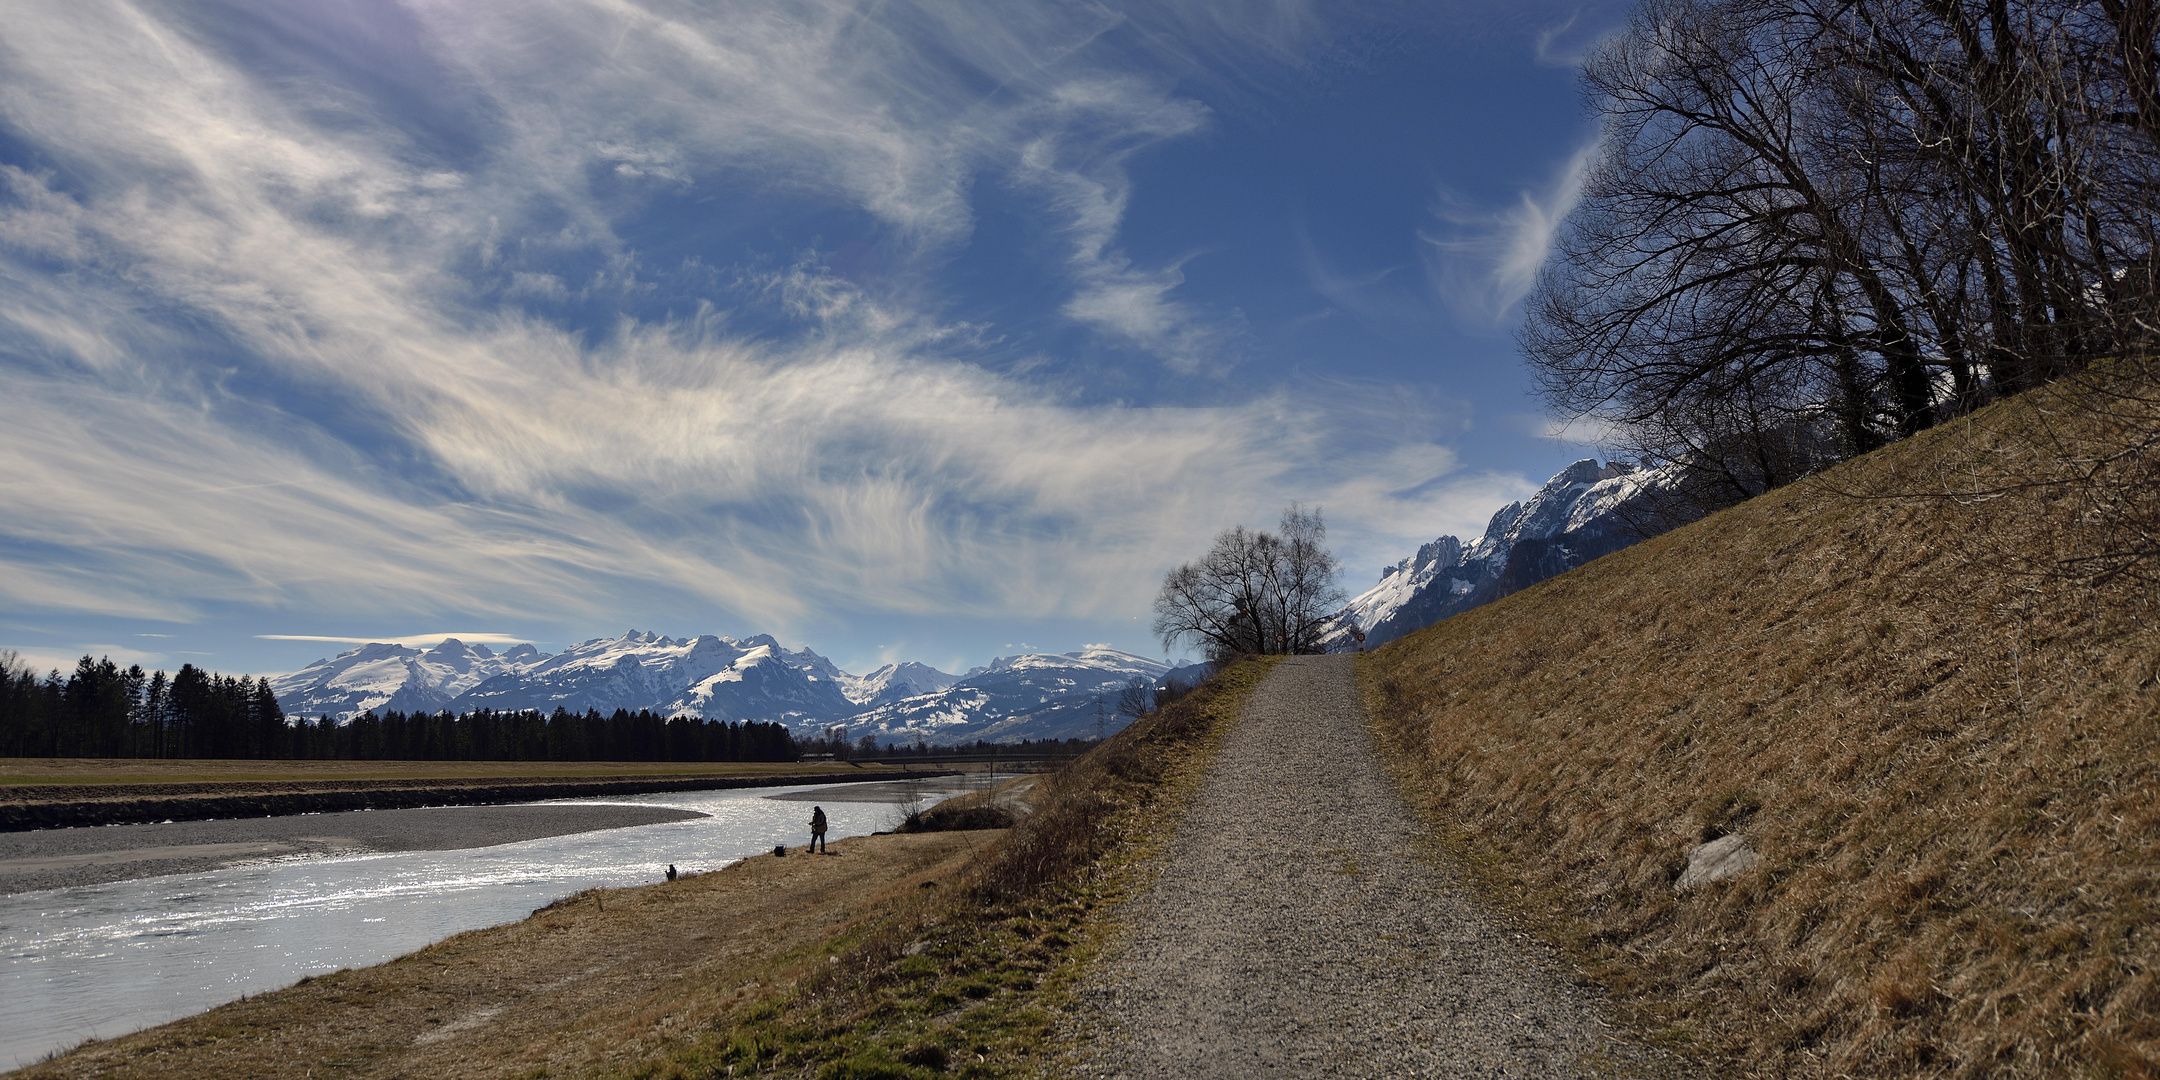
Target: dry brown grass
{"x":600,"y":982}
{"x":1945,"y":755}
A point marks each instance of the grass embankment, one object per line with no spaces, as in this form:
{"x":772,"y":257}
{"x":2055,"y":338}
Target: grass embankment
{"x":1947,"y":765}
{"x":902,"y":956}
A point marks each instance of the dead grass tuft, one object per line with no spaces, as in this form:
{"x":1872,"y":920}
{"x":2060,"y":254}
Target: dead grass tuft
{"x":1946,"y":754}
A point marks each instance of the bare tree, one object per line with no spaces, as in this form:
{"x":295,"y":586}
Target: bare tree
{"x":1254,"y":592}
{"x":1136,"y":699}
{"x":1820,"y":225}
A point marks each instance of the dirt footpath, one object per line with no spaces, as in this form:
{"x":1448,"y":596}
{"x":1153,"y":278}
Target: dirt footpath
{"x":1303,"y":926}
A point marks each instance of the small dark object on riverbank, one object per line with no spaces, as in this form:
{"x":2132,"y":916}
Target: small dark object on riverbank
{"x":779,"y":851}
{"x":671,"y":871}
{"x":944,"y":819}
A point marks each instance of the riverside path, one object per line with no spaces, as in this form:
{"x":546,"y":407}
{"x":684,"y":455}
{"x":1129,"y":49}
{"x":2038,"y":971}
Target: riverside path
{"x":1303,"y":926}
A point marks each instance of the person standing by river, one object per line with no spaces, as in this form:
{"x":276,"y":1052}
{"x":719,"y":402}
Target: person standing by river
{"x":817,"y":829}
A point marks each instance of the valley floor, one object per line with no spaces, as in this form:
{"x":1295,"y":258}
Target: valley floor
{"x":600,"y":982}
{"x":25,"y":773}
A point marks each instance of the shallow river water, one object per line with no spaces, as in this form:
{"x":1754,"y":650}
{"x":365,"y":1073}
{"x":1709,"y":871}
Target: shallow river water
{"x":103,"y":960}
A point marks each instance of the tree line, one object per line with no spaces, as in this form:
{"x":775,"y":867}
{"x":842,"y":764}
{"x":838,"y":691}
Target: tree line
{"x":1815,"y":227}
{"x":102,"y":710}
{"x":529,"y":735}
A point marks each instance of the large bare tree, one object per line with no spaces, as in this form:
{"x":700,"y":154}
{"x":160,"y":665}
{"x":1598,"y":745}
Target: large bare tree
{"x":1254,"y":592}
{"x":1817,"y":225}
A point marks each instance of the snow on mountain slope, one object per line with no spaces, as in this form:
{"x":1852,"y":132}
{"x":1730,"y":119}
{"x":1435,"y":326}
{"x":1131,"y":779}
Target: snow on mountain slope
{"x":896,"y":681}
{"x":1034,"y":696}
{"x":715,"y":677}
{"x":395,"y":677}
{"x":1584,"y":511}
{"x":724,"y":679}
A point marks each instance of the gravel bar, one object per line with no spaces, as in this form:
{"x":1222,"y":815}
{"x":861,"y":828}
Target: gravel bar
{"x":61,"y":858}
{"x":1304,"y":925}
{"x":54,"y":806}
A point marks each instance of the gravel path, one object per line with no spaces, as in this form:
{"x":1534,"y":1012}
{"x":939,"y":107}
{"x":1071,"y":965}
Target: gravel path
{"x":1303,"y":927}
{"x":58,"y":858}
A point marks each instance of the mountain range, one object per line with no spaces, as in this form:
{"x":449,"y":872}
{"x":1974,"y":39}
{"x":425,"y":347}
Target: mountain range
{"x":1032,"y":696}
{"x":1584,"y":511}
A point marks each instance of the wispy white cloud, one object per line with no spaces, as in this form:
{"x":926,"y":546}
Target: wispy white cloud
{"x":283,"y":361}
{"x":43,"y":662}
{"x":1586,"y":431}
{"x":1080,"y":164}
{"x":1482,"y":260}
{"x":1569,"y":41}
{"x":417,"y":641}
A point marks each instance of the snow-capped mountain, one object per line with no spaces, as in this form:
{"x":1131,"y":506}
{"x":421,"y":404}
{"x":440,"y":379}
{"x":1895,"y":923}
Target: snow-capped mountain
{"x":1585,"y":511}
{"x":895,"y":681}
{"x":395,"y":678}
{"x":716,"y":677}
{"x":1032,"y":696}
{"x":1040,"y":695}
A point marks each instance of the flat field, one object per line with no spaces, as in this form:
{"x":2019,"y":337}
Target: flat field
{"x":102,"y":771}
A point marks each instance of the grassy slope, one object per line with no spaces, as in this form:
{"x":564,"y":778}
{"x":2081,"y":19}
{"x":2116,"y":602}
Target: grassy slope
{"x":974,"y":980}
{"x":1948,"y":769}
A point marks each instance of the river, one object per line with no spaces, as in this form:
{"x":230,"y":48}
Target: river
{"x":98,"y":961}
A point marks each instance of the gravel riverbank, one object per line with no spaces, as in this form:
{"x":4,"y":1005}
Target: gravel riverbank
{"x":55,"y":806}
{"x":1304,"y":926}
{"x":60,"y":858}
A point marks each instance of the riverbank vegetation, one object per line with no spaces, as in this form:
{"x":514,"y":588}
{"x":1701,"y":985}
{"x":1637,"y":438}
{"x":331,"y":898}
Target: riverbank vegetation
{"x":1921,"y":687}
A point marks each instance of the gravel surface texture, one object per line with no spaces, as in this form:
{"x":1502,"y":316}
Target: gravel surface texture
{"x":1304,"y":925}
{"x":59,"y":858}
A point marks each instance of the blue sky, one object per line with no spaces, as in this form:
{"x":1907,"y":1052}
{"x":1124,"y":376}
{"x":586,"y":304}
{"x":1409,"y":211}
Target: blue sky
{"x":900,"y":330}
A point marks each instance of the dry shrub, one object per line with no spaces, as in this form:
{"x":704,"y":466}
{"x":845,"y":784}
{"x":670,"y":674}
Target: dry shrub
{"x":967,"y":812}
{"x":1926,"y":704}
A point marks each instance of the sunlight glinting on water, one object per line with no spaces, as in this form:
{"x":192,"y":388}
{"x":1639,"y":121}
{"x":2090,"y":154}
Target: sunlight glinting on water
{"x":102,"y":960}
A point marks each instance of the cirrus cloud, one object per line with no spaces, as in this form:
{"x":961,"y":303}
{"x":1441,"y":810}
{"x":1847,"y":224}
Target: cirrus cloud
{"x":418,"y":333}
